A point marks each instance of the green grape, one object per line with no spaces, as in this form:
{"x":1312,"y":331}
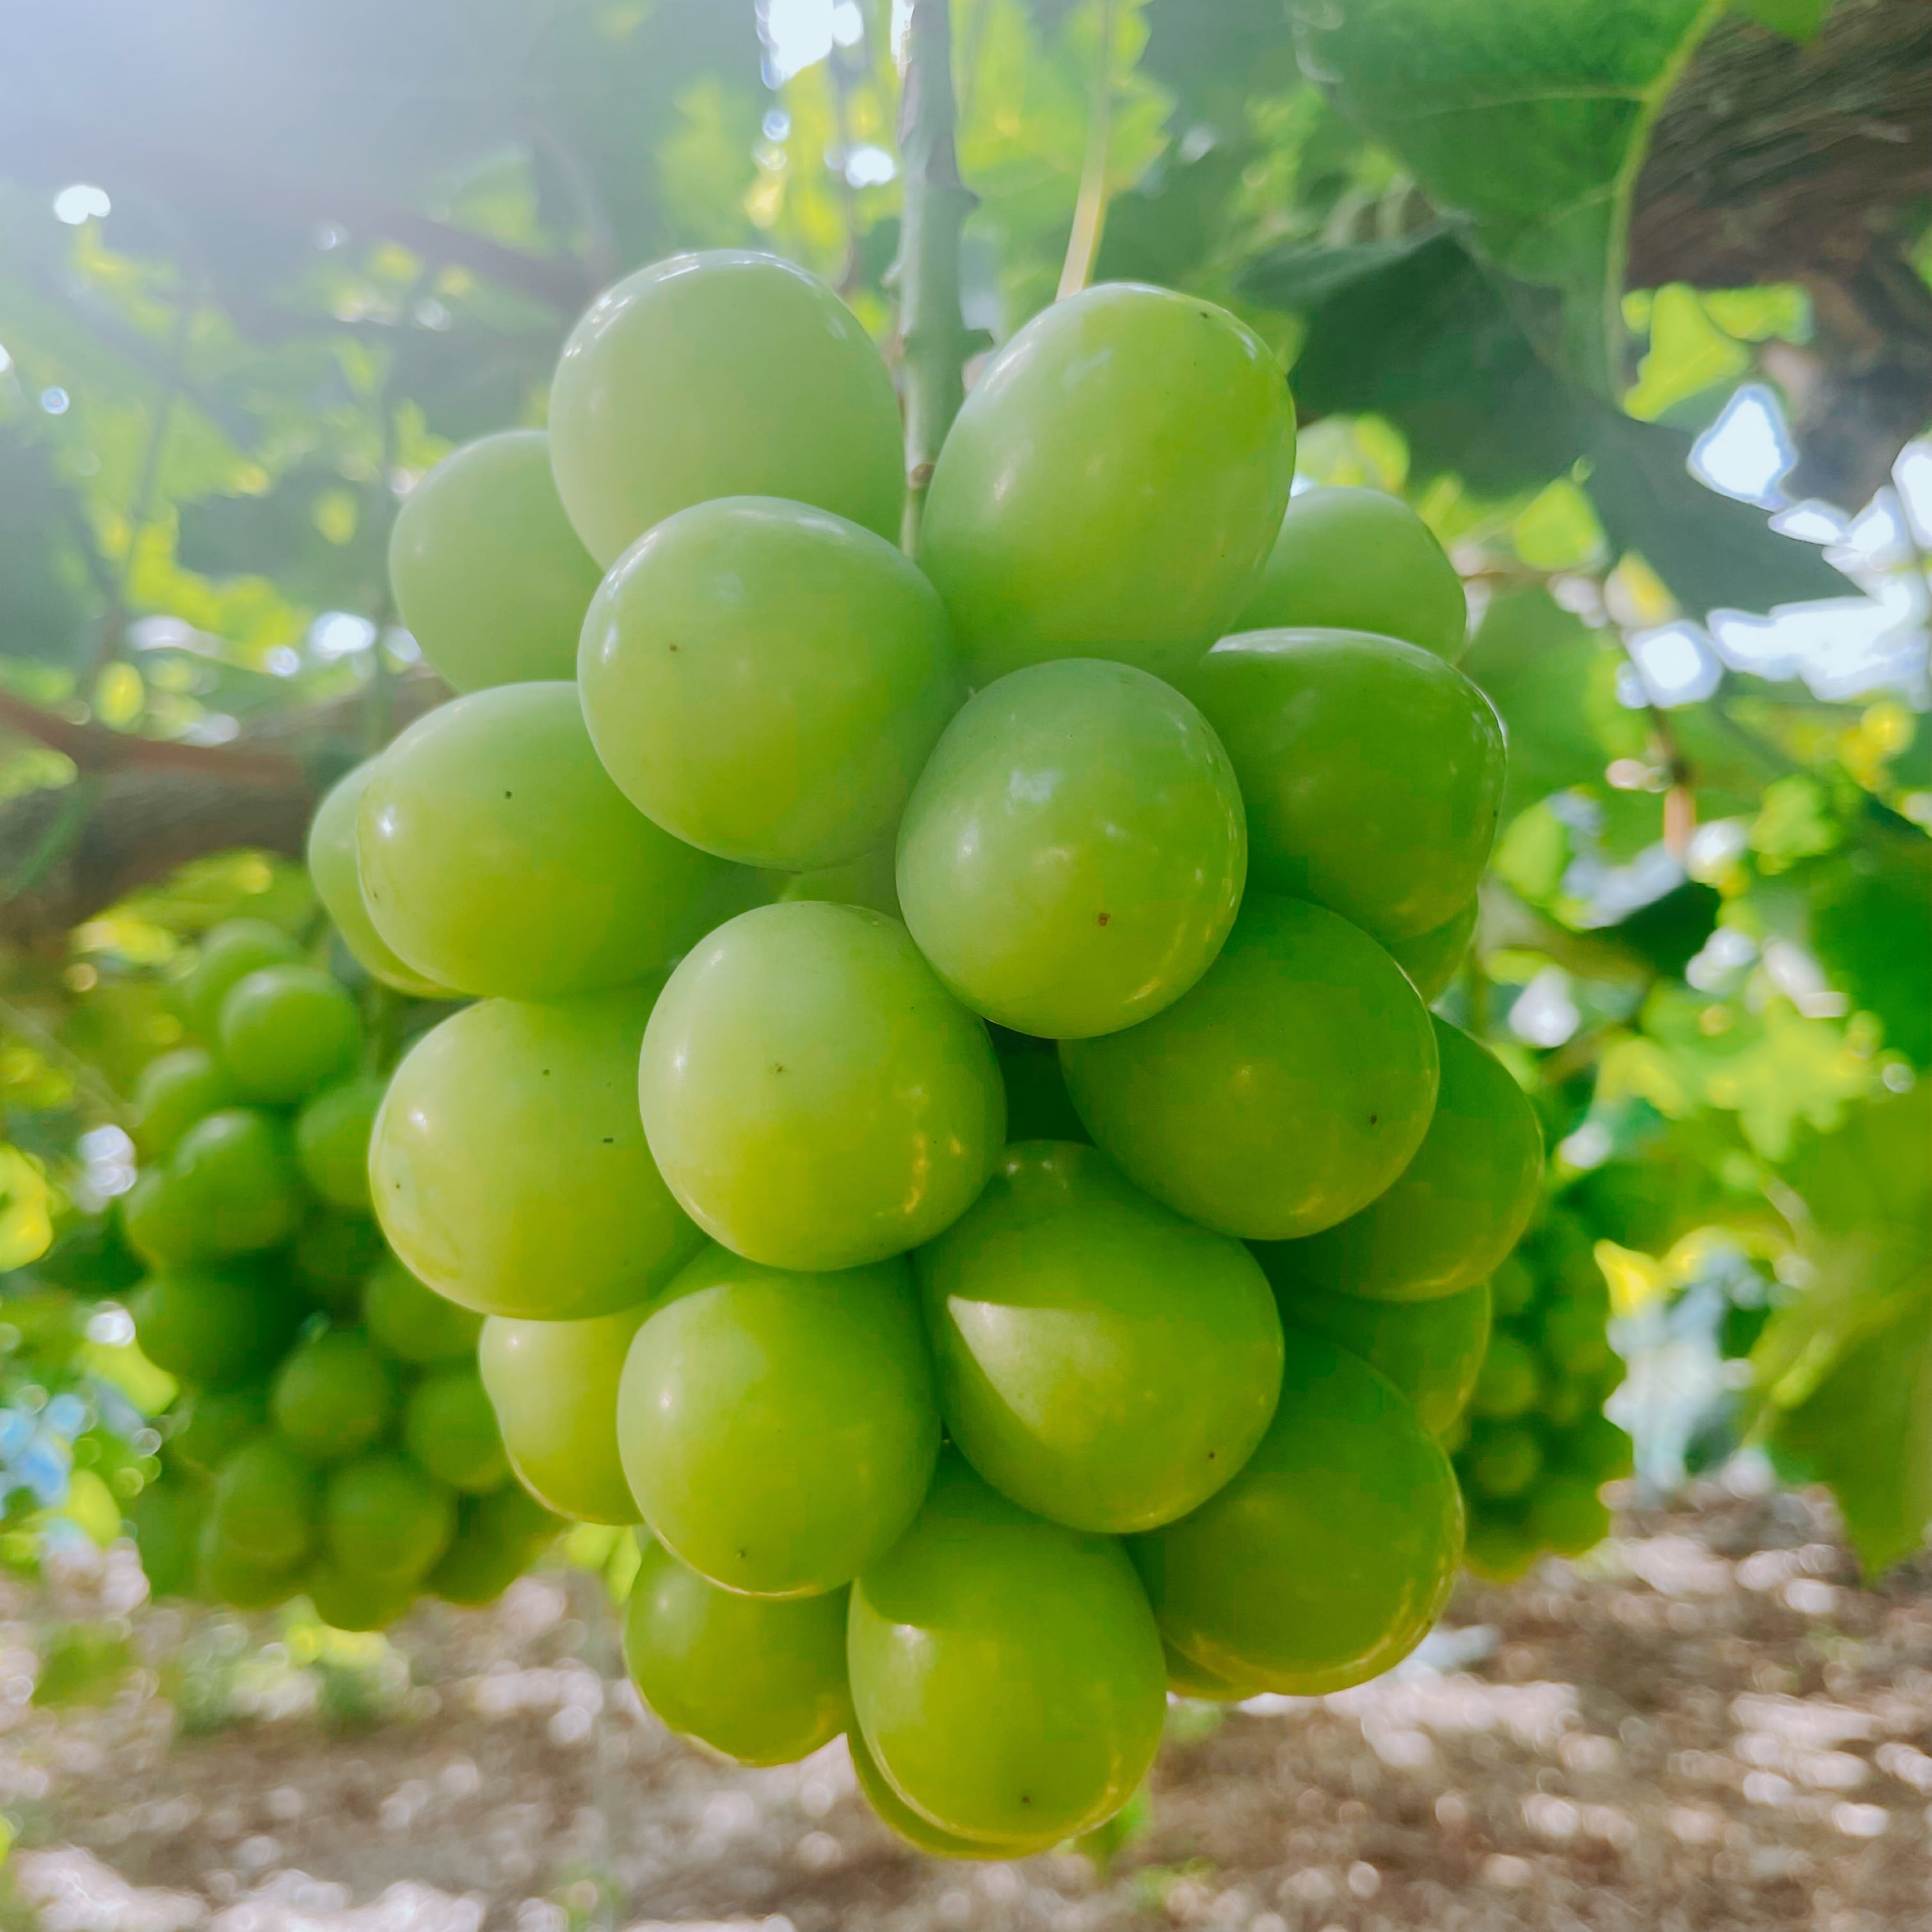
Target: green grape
{"x":1431,"y":958}
{"x":1327,"y":1560}
{"x":1512,"y":1287}
{"x":1502,"y":1460}
{"x":449,"y":1427}
{"x":333,"y":1396}
{"x":414,"y":1323}
{"x":1565,"y":1399}
{"x":1567,"y":1515}
{"x":1038,"y":1106}
{"x":1005,"y":1672}
{"x":497,"y":857}
{"x":725,"y":374}
{"x":1372,"y":772}
{"x":1597,"y":1449}
{"x":1073,"y":855}
{"x":487,"y":571}
{"x":332,"y":1141}
{"x":1569,"y":1322}
{"x":1102,"y":1362}
{"x":384,"y":1518}
{"x":509,"y":1166}
{"x":337,"y":876}
{"x":1112,"y":485}
{"x":1510,"y":1380}
{"x":778,"y":1430}
{"x":234,"y":1174}
{"x":347,"y":1600}
{"x":761,"y":1680}
{"x":332,"y":1254}
{"x":174,"y":1091}
{"x":765,"y":680}
{"x":869,"y":880}
{"x":1501,"y":1548}
{"x":1284,"y":1092}
{"x":815,"y":1097}
{"x":553,"y":1385}
{"x":212,"y":1326}
{"x":498,"y":1536}
{"x":1350,"y":559}
{"x":213,"y":1423}
{"x":162,"y":1224}
{"x":266,"y":1499}
{"x":222,"y":1574}
{"x":1456,"y":1210}
{"x":1187,"y":1679}
{"x":289,"y":1031}
{"x":1431,"y":1350}
{"x":898,"y":1816}
{"x":167,"y":1519}
{"x":228,"y":952}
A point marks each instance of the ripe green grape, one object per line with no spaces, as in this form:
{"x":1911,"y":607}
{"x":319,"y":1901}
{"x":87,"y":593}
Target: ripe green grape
{"x":1187,"y":1679}
{"x":234,"y":1177}
{"x":384,"y":1518}
{"x":1431,"y":1350}
{"x":332,"y":1142}
{"x":553,"y":1385}
{"x":228,"y":952}
{"x":1567,"y":1515}
{"x":162,"y":1226}
{"x":332,"y":1254}
{"x":223,"y":1574}
{"x":1372,"y":772}
{"x":1073,"y":854}
{"x":867,"y":880}
{"x":333,"y":1396}
{"x":1038,"y":1106}
{"x":213,"y":1326}
{"x":1282,"y":1093}
{"x":1329,"y":1557}
{"x":779,"y":1430}
{"x":498,"y":1536}
{"x":1102,"y":1362}
{"x":449,"y":1427}
{"x":213,"y":1423}
{"x":1596,"y":1447}
{"x":1510,"y":1380}
{"x":1459,"y":1207}
{"x":287,"y":1032}
{"x":337,"y":876}
{"x":1431,"y":958}
{"x":414,"y":1323}
{"x":1005,"y":1672}
{"x":897,"y":1815}
{"x":1349,"y":560}
{"x":497,"y":857}
{"x":349,"y":1600}
{"x":1112,"y":485}
{"x":1501,"y":1548}
{"x":168,"y":1518}
{"x":487,"y":571}
{"x":1501,"y":1459}
{"x":814,"y":1096}
{"x":724,"y":373}
{"x":760,"y":1679}
{"x":174,"y":1091}
{"x":765,"y":680}
{"x":266,"y":1501}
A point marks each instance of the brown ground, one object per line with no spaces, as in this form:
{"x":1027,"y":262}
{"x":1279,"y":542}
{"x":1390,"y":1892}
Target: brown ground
{"x":1707,"y":1724}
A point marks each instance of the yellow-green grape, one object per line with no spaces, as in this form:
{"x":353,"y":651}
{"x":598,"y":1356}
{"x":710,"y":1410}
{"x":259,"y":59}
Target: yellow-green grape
{"x":1431,"y":958}
{"x":761,"y":1679}
{"x":234,"y":1177}
{"x":212,"y":1424}
{"x":289,"y":1031}
{"x":509,"y":1166}
{"x":1501,"y":1459}
{"x":1502,"y":1548}
{"x":869,"y":880}
{"x":497,"y":857}
{"x":1596,"y":1447}
{"x":1570,"y":1321}
{"x":488,"y":573}
{"x":349,"y":1600}
{"x":414,"y":1323}
{"x":1351,"y":559}
{"x":724,"y":373}
{"x":175,"y":1091}
{"x":498,"y":1537}
{"x":385,"y":1519}
{"x":1112,"y":486}
{"x":332,"y":1254}
{"x":332,"y":1142}
{"x":265,"y":1504}
{"x":1510,"y":1380}
{"x":1074,"y":853}
{"x":223,"y":1574}
{"x":1187,"y":1679}
{"x":1328,"y":1558}
{"x":553,"y":1385}
{"x":168,"y":1518}
{"x":333,"y":1396}
{"x":899,"y":1817}
{"x":1567,"y":1515}
{"x":450,"y":1428}
{"x":212,"y":1326}
{"x":230,"y":951}
{"x":162,"y":1226}
{"x":765,"y":680}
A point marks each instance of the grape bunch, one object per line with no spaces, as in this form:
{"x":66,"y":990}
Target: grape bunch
{"x":334,"y":1440}
{"x":946,"y":1021}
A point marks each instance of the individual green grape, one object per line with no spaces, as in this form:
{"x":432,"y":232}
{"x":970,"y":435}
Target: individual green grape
{"x":509,"y":1166}
{"x":1187,"y":1679}
{"x":1567,"y":1515}
{"x":1372,"y":771}
{"x":334,"y":871}
{"x":1102,"y":1362}
{"x":162,"y":1224}
{"x":1431,"y":958}
{"x":175,"y":1091}
{"x":778,"y":1430}
{"x":449,"y":1427}
{"x":332,"y":1254}
{"x":498,"y":1537}
{"x":1005,"y":1672}
{"x":1501,"y":1548}
{"x":765,"y":680}
{"x":168,"y":1519}
{"x":869,"y":880}
{"x":266,"y":1500}
{"x":761,"y":1680}
{"x":1565,"y":1399}
{"x":349,"y":1600}
{"x":234,"y":1176}
{"x":1350,"y":559}
{"x":1457,"y":1209}
{"x":222,"y":1574}
{"x":1112,"y":485}
{"x":1512,"y":1287}
{"x":228,"y":952}
{"x":1074,"y":853}
{"x":1510,"y":1381}
{"x":1038,"y":1106}
{"x":1502,"y":1460}
{"x":414,"y":1323}
{"x":814,"y":1096}
{"x":1597,"y":1449}
{"x":1571,"y":1321}
{"x":497,"y":857}
{"x":1284,"y":1092}
{"x":553,"y":1385}
{"x":385,"y":1519}
{"x":332,"y":1141}
{"x":487,"y":571}
{"x":333,"y":1396}
{"x":213,"y":1423}
{"x":724,"y":373}
{"x":898,"y":1816}
{"x":289,"y":1031}
{"x":1328,"y":1558}
{"x":1431,"y":1350}
{"x":215,"y":1326}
